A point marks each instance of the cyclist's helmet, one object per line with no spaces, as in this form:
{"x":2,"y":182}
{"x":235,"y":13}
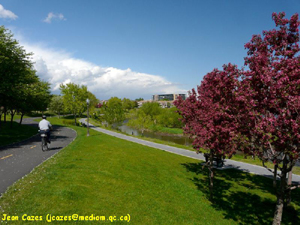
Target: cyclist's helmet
{"x":44,"y":117}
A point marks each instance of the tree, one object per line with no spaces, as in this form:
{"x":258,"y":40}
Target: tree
{"x":16,"y":72}
{"x":170,"y":117}
{"x":151,"y":109}
{"x":113,"y":111}
{"x":57,"y":105}
{"x":271,"y":93}
{"x":128,"y":104}
{"x":35,"y":96}
{"x":141,"y":121}
{"x":74,"y":98}
{"x":93,"y":101}
{"x":209,"y":117}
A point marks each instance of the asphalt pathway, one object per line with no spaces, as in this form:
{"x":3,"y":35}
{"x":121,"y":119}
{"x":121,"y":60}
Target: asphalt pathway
{"x":19,"y":159}
{"x":228,"y":164}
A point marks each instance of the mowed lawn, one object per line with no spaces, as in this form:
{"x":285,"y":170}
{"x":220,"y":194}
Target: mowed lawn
{"x":106,"y":176}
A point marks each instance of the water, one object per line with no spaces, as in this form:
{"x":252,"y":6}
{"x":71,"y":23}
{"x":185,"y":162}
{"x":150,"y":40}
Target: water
{"x":182,"y":140}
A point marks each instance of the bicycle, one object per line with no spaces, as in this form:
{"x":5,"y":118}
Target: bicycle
{"x":45,"y":145}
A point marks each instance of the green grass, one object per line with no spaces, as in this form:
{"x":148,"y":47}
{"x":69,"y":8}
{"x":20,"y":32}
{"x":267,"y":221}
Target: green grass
{"x":168,"y":130}
{"x":16,"y":117}
{"x":237,"y":157}
{"x":107,"y":176}
{"x":17,"y":133}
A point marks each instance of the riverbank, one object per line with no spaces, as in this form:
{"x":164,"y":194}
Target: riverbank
{"x":167,"y":131}
{"x":175,"y":138}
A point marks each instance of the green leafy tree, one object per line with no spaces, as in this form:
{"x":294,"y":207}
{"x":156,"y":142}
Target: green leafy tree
{"x":169,"y":117}
{"x":128,"y":104}
{"x":74,"y":98}
{"x":93,"y":101}
{"x":113,"y":111}
{"x":16,"y":72}
{"x":140,"y":121}
{"x":57,"y":105}
{"x":151,"y":109}
{"x":36,"y":97}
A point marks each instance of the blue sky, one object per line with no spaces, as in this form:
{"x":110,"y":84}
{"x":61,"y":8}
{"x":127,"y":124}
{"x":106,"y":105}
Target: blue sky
{"x":136,"y":48}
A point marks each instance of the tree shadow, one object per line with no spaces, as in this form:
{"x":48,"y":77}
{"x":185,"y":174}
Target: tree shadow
{"x":57,"y":137}
{"x":243,"y":197}
{"x":54,"y":148}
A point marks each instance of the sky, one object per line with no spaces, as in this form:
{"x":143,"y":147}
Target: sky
{"x":136,"y":48}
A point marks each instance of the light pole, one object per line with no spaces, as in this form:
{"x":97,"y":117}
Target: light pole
{"x":74,"y":109}
{"x":88,"y":103}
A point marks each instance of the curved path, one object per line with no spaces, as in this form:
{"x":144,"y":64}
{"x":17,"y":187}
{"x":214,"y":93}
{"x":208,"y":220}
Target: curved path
{"x":19,"y":159}
{"x":245,"y":167}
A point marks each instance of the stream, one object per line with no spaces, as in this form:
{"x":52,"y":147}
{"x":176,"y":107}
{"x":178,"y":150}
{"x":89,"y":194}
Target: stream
{"x":178,"y":139}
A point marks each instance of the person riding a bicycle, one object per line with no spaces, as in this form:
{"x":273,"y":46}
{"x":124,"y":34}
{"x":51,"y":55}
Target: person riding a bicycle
{"x":45,"y":127}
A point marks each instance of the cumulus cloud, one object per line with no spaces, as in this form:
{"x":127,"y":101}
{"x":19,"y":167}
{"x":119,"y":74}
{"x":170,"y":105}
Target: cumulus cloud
{"x":52,"y":16}
{"x":61,"y":67}
{"x":6,"y":14}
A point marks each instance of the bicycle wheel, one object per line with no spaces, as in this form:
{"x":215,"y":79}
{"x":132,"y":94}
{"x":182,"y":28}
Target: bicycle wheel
{"x":44,"y":144}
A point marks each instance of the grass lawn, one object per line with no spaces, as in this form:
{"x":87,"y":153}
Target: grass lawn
{"x":166,"y":130}
{"x":17,"y":133}
{"x":237,"y":157}
{"x":106,"y":176}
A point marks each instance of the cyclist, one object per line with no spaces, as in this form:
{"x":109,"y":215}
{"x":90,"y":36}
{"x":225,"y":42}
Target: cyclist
{"x":45,"y":126}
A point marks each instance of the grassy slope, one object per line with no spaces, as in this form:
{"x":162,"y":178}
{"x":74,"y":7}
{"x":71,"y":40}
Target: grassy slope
{"x":240,"y":158}
{"x":107,"y":176}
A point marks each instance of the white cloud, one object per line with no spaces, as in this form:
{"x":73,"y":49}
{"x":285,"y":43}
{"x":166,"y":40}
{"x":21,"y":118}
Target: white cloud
{"x":60,"y":67}
{"x":6,"y":14}
{"x":52,"y":16}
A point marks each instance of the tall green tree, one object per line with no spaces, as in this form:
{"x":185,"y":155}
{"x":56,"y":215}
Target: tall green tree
{"x":57,"y":105}
{"x":128,"y":104}
{"x":169,"y":117}
{"x":74,"y":98}
{"x":151,"y":109}
{"x":93,"y":101}
{"x":16,"y":73}
{"x":113,"y":111}
{"x":141,"y":121}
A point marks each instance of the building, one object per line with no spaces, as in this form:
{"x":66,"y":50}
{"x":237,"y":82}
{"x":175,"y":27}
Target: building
{"x":168,"y":97}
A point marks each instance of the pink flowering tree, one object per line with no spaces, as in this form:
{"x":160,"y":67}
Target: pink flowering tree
{"x":209,"y":115}
{"x":271,"y":94}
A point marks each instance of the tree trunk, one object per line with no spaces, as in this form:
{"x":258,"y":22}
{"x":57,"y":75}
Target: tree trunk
{"x":21,"y":118}
{"x":281,"y":195}
{"x":75,"y":119}
{"x":211,"y":176}
{"x":4,"y":114}
{"x":275,"y":176}
{"x":288,"y":198}
{"x":12,"y":114}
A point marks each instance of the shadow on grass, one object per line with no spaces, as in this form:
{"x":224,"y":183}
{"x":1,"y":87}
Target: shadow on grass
{"x":243,"y":197}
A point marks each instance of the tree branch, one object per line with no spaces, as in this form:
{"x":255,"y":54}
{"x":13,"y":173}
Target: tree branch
{"x":272,"y":171}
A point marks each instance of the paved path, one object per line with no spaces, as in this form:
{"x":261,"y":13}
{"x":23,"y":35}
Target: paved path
{"x":191,"y":154}
{"x":19,"y":159}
